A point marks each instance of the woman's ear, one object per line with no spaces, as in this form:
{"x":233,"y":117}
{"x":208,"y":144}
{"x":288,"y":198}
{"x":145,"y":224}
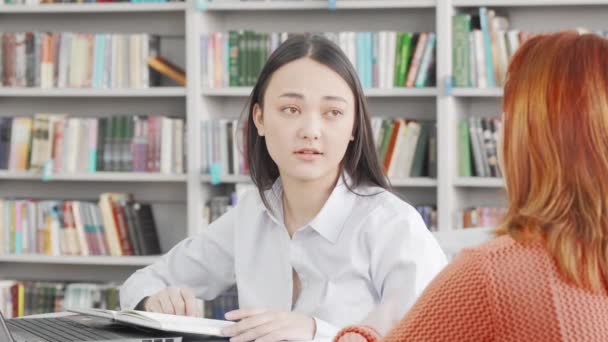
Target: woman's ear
{"x":258,"y":119}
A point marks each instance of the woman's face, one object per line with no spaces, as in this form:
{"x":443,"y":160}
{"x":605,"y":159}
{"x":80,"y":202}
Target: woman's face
{"x":307,"y":120}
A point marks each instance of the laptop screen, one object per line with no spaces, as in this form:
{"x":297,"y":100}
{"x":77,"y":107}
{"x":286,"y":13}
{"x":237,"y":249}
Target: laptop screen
{"x":5,"y":335}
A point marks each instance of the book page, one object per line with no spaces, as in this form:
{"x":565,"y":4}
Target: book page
{"x":175,"y":323}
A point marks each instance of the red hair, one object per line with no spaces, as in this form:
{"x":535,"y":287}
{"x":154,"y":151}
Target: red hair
{"x":554,"y":152}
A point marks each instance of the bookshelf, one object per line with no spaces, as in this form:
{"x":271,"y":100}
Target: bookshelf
{"x":166,"y":192}
{"x":473,"y":92}
{"x":524,"y":3}
{"x":94,"y":8}
{"x":479,"y":182}
{"x":374,"y":92}
{"x":136,"y":177}
{"x":139,"y":261}
{"x":66,"y":92}
{"x":232,"y":5}
{"x":178,"y":199}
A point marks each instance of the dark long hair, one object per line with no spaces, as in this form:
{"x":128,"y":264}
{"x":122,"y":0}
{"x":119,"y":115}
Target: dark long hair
{"x":360,"y":161}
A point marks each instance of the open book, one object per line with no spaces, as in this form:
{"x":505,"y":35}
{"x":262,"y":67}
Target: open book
{"x":158,"y":321}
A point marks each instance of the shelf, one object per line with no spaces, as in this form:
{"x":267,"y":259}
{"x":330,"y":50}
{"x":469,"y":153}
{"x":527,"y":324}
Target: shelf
{"x":403,"y":182}
{"x":400,"y":92}
{"x":80,"y":260}
{"x":414,"y":182}
{"x":371,"y":92}
{"x":479,"y":182}
{"x":223,"y":5}
{"x":477,"y":92}
{"x":528,"y":3}
{"x":228,"y":179}
{"x":97,"y":177}
{"x":75,"y":92}
{"x":227,"y":92}
{"x":94,"y":8}
{"x":14,"y":175}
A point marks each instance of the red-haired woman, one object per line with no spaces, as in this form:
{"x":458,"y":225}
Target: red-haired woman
{"x":546,"y":277}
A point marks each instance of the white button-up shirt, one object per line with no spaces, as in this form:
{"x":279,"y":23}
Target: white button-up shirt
{"x":358,"y":252}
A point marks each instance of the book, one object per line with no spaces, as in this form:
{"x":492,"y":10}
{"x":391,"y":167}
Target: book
{"x":159,"y":321}
{"x":168,"y":69}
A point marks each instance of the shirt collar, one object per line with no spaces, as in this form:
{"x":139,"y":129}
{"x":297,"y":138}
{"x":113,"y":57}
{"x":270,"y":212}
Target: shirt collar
{"x":330,"y":221}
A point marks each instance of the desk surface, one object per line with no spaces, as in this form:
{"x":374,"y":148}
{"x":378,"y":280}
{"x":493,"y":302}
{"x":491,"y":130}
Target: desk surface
{"x":188,"y":339}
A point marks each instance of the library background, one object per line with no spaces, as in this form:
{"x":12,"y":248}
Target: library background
{"x":120,"y":131}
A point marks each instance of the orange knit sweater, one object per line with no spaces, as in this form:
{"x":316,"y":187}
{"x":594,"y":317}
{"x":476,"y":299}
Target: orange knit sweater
{"x":502,"y":291}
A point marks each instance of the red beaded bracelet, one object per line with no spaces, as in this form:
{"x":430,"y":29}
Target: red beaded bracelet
{"x":368,"y":333}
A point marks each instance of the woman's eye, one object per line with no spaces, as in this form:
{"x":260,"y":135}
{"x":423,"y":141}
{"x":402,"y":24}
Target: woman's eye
{"x":335,"y":112}
{"x":291,"y":110}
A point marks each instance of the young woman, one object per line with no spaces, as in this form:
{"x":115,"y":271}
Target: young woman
{"x":322,"y":243}
{"x":546,"y":278}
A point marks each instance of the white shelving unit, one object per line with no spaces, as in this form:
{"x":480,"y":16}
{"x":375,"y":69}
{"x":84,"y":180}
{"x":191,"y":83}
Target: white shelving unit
{"x":232,"y":5}
{"x":95,"y":177}
{"x":178,"y":199}
{"x":166,"y":192}
{"x":396,"y":182}
{"x":525,"y":3}
{"x":375,"y":92}
{"x":94,"y":8}
{"x":474,"y":92}
{"x":146,"y":92}
{"x":80,"y":260}
{"x":230,"y":179}
{"x":479,"y":182}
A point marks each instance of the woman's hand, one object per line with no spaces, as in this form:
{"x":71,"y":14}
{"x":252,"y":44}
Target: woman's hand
{"x":268,"y":325}
{"x":174,"y":301}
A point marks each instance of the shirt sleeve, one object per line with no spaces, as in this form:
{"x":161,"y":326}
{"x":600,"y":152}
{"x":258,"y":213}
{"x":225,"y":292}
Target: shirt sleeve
{"x":324,"y":330}
{"x":205,"y":263}
{"x":456,"y":306}
{"x":405,"y":257}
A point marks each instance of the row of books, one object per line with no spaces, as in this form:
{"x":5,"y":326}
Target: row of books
{"x":217,"y":206}
{"x":478,"y":147}
{"x":222,"y":148}
{"x":482,"y":46}
{"x":78,"y":60}
{"x":385,"y":59}
{"x":406,"y":148}
{"x":81,"y":145}
{"x":23,"y":298}
{"x":429,"y":216}
{"x":116,"y":225}
{"x":481,"y":217}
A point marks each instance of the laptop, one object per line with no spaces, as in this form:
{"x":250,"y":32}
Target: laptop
{"x":77,"y":328}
